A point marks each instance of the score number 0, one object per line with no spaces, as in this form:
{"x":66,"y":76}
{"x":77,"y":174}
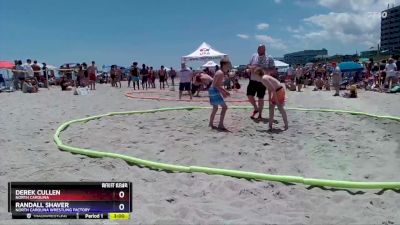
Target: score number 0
{"x":121,"y":195}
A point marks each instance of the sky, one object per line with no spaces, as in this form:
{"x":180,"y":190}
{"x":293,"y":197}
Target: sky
{"x":158,"y":32}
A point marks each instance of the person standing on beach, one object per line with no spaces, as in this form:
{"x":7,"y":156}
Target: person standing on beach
{"x":92,"y":70}
{"x":78,"y":76}
{"x":255,"y":87}
{"x":162,"y":76}
{"x":144,"y":74}
{"x":28,"y":69}
{"x":44,"y":76}
{"x":135,"y":76}
{"x":151,"y":77}
{"x":391,"y":73}
{"x":172,"y":74}
{"x":336,"y":78}
{"x":113,"y":75}
{"x":299,"y":79}
{"x":118,"y":76}
{"x":185,"y":76}
{"x":36,"y":70}
{"x":217,"y":94}
{"x":19,"y":75}
{"x":86,"y":74}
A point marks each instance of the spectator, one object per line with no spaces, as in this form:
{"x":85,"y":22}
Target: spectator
{"x":391,"y":73}
{"x":185,"y":76}
{"x":30,"y":85}
{"x":28,"y":69}
{"x":44,"y":78}
{"x":36,"y":70}
{"x":92,"y":71}
{"x":172,"y":74}
{"x":336,"y":78}
{"x":19,"y":75}
{"x":255,"y":87}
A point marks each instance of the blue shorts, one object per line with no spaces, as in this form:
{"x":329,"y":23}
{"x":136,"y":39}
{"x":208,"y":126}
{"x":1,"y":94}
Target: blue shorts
{"x":215,"y":96}
{"x":135,"y":78}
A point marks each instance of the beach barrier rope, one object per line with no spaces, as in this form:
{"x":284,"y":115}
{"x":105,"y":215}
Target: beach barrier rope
{"x":217,"y":171}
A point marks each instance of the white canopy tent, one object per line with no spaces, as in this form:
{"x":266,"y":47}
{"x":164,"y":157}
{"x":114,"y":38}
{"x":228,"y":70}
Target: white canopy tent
{"x":280,"y":64}
{"x":202,"y":53}
{"x":209,"y":64}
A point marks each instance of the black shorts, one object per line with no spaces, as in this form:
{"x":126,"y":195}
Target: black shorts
{"x":256,"y":87}
{"x":184,"y":86}
{"x":300,"y":80}
{"x":162,"y":78}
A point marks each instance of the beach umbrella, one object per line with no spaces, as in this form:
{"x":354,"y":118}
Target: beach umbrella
{"x":350,"y":67}
{"x":51,"y":67}
{"x":6,"y":65}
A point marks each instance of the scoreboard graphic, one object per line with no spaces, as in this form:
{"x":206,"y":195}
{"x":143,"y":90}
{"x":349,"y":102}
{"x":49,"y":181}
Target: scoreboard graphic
{"x":70,"y":200}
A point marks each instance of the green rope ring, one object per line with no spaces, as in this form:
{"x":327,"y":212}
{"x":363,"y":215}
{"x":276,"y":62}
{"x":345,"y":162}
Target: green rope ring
{"x":225,"y":172}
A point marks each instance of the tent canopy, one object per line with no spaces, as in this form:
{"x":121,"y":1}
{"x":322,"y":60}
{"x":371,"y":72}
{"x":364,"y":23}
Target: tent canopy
{"x":6,"y":65}
{"x":280,"y":64}
{"x":209,"y":64}
{"x":350,"y":67}
{"x":204,"y":52}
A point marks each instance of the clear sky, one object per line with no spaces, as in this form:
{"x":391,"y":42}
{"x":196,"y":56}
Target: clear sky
{"x":160,"y":32}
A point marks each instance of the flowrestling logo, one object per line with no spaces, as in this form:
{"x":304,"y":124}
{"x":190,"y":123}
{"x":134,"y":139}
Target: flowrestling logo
{"x":204,"y":51}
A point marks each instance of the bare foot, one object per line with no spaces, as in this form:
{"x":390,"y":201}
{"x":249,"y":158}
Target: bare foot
{"x":222,"y":128}
{"x":254,"y":114}
{"x":286,"y":127}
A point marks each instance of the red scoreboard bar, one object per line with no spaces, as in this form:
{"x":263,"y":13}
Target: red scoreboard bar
{"x":70,"y":200}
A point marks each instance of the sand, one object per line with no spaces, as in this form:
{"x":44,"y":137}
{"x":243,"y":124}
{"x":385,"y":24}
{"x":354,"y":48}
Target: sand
{"x":317,"y":145}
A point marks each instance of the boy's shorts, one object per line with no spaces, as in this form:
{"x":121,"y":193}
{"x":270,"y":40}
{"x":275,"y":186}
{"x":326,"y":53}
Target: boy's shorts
{"x":135,"y":78}
{"x":215,"y":97}
{"x":281,"y":95}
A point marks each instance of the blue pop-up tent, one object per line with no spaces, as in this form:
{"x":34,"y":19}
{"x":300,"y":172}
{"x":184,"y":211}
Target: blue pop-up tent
{"x":350,"y":67}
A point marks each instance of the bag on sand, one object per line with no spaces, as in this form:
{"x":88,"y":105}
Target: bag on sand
{"x":395,"y":89}
{"x":81,"y":91}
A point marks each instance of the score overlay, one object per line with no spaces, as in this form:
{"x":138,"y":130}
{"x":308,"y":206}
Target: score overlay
{"x":70,"y":200}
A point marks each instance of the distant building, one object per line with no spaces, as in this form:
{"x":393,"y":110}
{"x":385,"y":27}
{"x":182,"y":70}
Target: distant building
{"x":390,"y":29}
{"x":368,"y":54}
{"x":304,"y":57}
{"x":343,"y":58}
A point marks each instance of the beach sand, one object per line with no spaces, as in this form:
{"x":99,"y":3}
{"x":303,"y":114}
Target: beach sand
{"x":317,"y":145}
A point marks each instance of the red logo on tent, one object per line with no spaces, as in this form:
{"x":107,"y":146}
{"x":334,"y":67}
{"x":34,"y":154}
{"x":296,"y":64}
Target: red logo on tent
{"x":204,"y":51}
